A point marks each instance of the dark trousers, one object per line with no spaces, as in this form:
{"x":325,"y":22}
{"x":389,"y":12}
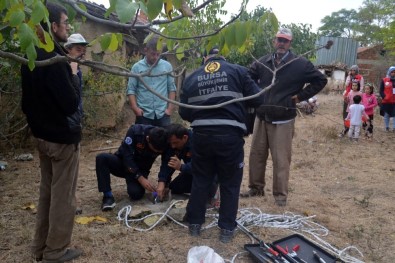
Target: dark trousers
{"x":183,"y":184}
{"x":221,"y":155}
{"x":107,"y":164}
{"x":162,"y":122}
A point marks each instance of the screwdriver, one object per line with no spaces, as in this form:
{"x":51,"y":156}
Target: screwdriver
{"x":320,"y":259}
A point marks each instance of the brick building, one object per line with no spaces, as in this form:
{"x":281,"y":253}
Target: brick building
{"x":373,"y":63}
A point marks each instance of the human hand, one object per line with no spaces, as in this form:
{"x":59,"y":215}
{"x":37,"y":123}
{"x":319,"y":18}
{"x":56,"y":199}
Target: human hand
{"x":168,"y":112}
{"x":295,"y":98}
{"x":161,"y":190}
{"x":74,"y":67}
{"x":146,"y":184}
{"x":137,"y":111}
{"x":175,"y":163}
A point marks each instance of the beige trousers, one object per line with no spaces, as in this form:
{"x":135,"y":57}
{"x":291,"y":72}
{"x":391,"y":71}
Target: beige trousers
{"x":278,"y":139}
{"x":56,"y":207}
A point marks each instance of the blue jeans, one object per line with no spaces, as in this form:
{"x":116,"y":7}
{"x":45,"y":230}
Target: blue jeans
{"x":387,"y":120}
{"x":162,"y":122}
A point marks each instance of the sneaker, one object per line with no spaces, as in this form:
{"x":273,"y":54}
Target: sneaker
{"x":226,"y":235}
{"x":253,"y":192}
{"x":78,"y":211}
{"x":194,"y":229}
{"x":387,"y":129}
{"x":68,"y":256}
{"x":108,"y":203}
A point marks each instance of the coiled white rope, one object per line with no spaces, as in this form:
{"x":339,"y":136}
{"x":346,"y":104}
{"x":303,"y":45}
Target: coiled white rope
{"x":254,"y":217}
{"x":297,"y":224}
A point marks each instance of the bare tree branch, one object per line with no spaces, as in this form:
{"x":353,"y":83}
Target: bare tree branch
{"x":133,"y":25}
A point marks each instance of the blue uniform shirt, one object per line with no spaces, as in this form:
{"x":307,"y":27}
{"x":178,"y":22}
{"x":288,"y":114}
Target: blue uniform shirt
{"x":151,"y":104}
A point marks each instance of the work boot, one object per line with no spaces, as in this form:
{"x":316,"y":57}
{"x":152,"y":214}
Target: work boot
{"x":253,"y":192}
{"x":194,"y":229}
{"x":226,"y":235}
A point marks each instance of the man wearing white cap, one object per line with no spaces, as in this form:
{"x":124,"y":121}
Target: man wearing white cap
{"x":275,"y":120}
{"x":76,"y":48}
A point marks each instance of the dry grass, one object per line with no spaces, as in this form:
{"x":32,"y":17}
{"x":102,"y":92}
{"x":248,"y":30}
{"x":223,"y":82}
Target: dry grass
{"x":348,"y":186}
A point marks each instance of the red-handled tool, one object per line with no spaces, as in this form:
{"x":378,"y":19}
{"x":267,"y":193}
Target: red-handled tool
{"x":292,"y":255}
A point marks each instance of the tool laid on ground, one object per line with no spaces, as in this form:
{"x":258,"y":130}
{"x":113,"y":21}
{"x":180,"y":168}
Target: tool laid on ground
{"x":274,"y":256}
{"x":320,"y":259}
{"x":292,"y":254}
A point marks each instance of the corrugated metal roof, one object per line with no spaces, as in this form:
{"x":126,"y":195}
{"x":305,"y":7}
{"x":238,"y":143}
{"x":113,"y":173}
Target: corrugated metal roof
{"x":343,"y":50}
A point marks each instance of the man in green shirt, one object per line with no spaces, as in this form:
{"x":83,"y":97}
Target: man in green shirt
{"x":148,"y":107}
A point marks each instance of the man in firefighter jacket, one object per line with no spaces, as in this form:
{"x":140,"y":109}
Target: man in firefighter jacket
{"x":132,"y":161}
{"x":178,"y":157}
{"x":217,"y":137}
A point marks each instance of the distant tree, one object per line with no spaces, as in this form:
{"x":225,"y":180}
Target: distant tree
{"x":373,"y":21}
{"x":339,"y":24}
{"x":370,"y":25}
{"x":262,"y":39}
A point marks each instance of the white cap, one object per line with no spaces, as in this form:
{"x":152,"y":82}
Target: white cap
{"x":75,"y":39}
{"x":284,"y":33}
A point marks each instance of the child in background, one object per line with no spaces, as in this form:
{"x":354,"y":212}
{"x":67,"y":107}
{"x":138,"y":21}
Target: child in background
{"x":355,"y":91}
{"x":369,"y":101}
{"x":355,"y":113}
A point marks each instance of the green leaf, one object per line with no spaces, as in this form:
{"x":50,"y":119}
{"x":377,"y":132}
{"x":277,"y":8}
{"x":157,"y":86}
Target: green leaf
{"x":111,"y":9}
{"x":38,"y":13}
{"x":26,"y":36}
{"x":105,"y":41}
{"x":241,"y":35}
{"x":180,"y":53}
{"x":154,"y":7}
{"x":17,"y":18}
{"x":177,"y":3}
{"x":119,"y":38}
{"x":83,"y":7}
{"x":114,"y":43}
{"x":126,"y":10}
{"x":230,"y":36}
{"x":2,"y":5}
{"x":31,"y":55}
{"x":143,"y":7}
{"x":170,"y":44}
{"x":50,"y":45}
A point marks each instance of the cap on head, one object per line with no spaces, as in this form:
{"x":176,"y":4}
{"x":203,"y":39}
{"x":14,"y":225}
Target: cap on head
{"x":212,"y":51}
{"x":284,"y":33}
{"x":354,"y":67}
{"x":75,"y":39}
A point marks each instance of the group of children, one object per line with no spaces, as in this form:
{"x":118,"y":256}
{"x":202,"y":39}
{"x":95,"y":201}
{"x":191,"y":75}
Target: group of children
{"x":360,"y":111}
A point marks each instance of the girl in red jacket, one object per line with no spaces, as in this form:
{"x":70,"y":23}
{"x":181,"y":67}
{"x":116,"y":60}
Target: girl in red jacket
{"x":370,"y":102}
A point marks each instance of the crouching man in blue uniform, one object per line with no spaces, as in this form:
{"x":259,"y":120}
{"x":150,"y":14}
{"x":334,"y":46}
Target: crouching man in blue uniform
{"x":217,"y":137}
{"x":132,"y":161}
{"x":178,"y":157}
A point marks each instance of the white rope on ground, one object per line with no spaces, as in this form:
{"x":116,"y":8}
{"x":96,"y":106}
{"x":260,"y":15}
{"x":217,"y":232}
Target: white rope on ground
{"x":254,"y":217}
{"x":123,"y":215}
{"x":297,"y":224}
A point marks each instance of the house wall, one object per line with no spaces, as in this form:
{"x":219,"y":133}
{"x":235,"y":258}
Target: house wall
{"x":373,"y":64}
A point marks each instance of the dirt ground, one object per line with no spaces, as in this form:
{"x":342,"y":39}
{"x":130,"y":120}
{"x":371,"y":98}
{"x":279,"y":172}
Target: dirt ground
{"x":345,"y":187}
